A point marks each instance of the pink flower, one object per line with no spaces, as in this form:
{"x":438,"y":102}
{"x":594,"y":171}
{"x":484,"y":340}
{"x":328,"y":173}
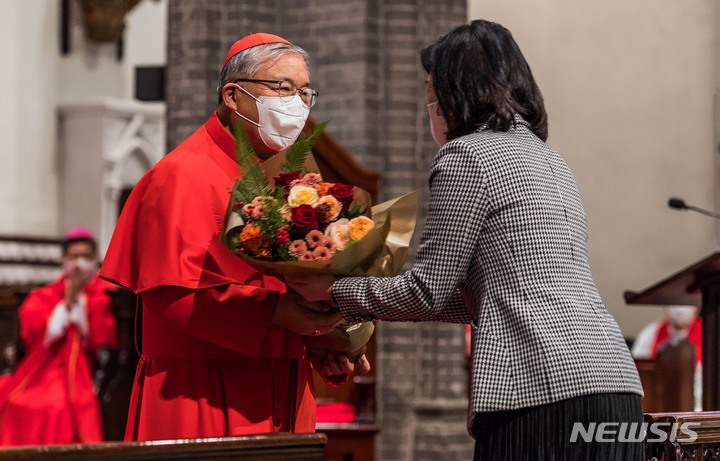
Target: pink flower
{"x":309,"y":180}
{"x":248,"y":209}
{"x":312,"y":179}
{"x":257,"y":201}
{"x":321,"y":254}
{"x":327,"y":243}
{"x":307,"y":256}
{"x":314,"y":238}
{"x":298,"y":248}
{"x":259,"y":211}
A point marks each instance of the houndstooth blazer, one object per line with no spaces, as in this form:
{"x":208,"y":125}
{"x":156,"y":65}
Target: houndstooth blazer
{"x":504,"y":249}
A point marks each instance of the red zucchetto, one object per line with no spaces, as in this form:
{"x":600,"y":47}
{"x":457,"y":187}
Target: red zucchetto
{"x":250,"y":41}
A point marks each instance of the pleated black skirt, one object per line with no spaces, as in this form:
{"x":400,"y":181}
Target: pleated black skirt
{"x":545,"y":433}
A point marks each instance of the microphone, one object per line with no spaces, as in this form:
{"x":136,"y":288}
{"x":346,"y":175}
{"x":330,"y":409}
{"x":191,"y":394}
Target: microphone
{"x":679,"y":204}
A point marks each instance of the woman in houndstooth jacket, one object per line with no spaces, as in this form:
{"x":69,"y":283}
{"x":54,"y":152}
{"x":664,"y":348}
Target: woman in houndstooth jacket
{"x":504,"y":249}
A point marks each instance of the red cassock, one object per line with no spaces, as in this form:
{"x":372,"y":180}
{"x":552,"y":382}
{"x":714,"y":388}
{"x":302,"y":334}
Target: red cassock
{"x":50,"y":398}
{"x":212,"y":363}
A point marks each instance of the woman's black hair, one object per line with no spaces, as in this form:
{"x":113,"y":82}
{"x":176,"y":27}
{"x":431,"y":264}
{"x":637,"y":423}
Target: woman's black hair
{"x":481,"y":77}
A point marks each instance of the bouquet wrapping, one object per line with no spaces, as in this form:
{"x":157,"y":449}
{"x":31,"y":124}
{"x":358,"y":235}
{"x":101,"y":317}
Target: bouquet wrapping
{"x":284,"y":219}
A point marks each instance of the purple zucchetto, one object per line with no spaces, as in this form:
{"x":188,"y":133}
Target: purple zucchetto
{"x":79,"y":233}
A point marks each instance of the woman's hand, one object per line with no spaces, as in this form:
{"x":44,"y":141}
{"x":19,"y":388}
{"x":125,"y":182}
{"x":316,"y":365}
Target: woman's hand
{"x":313,"y":288}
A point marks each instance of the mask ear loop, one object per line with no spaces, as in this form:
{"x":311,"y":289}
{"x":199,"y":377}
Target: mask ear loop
{"x":434,"y":103}
{"x":241,"y":115}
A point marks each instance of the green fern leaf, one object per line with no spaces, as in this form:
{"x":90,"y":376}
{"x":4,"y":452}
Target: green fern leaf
{"x":253,"y":183}
{"x":296,"y":154}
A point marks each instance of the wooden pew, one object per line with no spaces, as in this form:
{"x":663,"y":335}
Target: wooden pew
{"x":262,"y":447}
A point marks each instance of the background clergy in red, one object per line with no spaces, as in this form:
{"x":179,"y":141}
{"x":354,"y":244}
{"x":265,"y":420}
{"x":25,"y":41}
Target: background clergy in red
{"x":50,"y":399}
{"x":221,"y":342}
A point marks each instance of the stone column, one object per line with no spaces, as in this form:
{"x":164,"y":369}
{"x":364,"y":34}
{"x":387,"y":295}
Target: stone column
{"x":199,"y":35}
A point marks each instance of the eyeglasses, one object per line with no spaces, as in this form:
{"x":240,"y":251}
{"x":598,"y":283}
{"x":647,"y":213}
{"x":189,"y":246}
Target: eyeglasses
{"x":287,"y":90}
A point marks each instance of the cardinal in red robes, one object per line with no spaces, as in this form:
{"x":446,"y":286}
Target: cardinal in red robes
{"x":50,"y":398}
{"x":221,"y":342}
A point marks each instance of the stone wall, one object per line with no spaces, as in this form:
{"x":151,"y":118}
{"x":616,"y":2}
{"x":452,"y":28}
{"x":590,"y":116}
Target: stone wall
{"x":366,"y":66}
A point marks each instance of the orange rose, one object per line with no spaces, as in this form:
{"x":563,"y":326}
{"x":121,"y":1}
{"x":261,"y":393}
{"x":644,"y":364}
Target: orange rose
{"x":324,"y":187}
{"x":330,"y":207}
{"x":359,"y":227}
{"x":255,"y":241}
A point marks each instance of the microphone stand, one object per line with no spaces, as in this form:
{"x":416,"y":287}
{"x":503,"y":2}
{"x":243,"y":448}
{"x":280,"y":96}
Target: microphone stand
{"x":679,"y":204}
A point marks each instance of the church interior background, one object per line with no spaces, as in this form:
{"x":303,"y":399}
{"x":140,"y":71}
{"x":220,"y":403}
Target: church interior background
{"x":630,"y":87}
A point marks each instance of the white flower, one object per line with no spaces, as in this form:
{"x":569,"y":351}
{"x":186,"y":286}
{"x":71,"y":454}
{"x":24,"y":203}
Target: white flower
{"x":302,"y":195}
{"x":339,"y":232}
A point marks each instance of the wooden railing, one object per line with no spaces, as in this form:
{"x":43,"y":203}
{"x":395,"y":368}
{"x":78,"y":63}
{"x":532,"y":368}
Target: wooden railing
{"x":691,"y":436}
{"x":263,"y":447}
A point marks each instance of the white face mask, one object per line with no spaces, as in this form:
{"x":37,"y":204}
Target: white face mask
{"x":87,"y":267}
{"x":280,"y":120}
{"x":438,"y":124}
{"x":681,"y":316}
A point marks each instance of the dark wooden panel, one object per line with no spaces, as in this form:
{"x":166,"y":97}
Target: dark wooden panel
{"x":337,"y":165}
{"x":349,"y":441}
{"x":668,"y":380}
{"x":682,"y":288}
{"x":646,"y":370}
{"x":11,"y":347}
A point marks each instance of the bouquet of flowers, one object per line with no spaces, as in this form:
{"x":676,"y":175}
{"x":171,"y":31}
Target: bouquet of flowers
{"x":285,"y":219}
{"x":294,"y":221}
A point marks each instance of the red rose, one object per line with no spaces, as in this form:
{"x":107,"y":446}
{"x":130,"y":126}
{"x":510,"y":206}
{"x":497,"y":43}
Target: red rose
{"x":284,"y":179}
{"x":343,"y":193}
{"x":305,"y":219}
